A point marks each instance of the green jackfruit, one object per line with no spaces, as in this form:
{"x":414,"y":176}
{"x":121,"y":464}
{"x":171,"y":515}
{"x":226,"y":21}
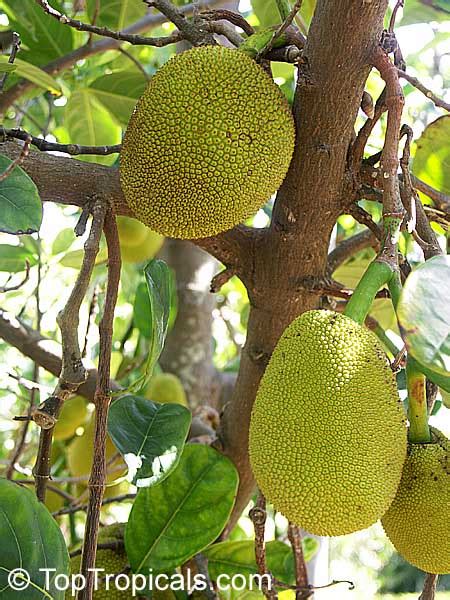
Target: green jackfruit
{"x":166,"y":388}
{"x":137,"y":242}
{"x":208,"y":143}
{"x":328,"y":432}
{"x":74,"y":414}
{"x":418,"y":520}
{"x":114,"y":561}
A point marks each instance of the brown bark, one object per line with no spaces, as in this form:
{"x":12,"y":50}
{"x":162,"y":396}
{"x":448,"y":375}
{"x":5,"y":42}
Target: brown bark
{"x":338,"y":53}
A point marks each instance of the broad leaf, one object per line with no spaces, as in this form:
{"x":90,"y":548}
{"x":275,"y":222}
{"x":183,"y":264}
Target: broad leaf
{"x":239,"y":558}
{"x":424,"y":314}
{"x":170,"y":522}
{"x":13,"y":258}
{"x":159,"y":283}
{"x":268,"y":15}
{"x":20,"y":205}
{"x":90,"y":124}
{"x":43,"y":37}
{"x":116,"y":14}
{"x":432,"y":158}
{"x":32,"y":73}
{"x":424,"y":11}
{"x":142,"y":311}
{"x":63,"y":240}
{"x":119,"y":93}
{"x":32,"y":541}
{"x":150,"y":436}
{"x":5,"y":66}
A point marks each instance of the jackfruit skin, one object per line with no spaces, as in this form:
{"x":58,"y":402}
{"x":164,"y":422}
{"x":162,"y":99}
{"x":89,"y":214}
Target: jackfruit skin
{"x":208,"y":143}
{"x":113,"y":561}
{"x":328,"y":431}
{"x":166,"y":388}
{"x":73,"y":414}
{"x":137,"y":241}
{"x":418,"y":520}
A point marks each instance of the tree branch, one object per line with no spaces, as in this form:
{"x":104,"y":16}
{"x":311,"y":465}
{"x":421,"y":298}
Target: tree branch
{"x":428,"y":93}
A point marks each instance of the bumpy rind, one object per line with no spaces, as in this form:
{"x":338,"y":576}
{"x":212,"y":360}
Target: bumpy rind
{"x":418,"y":520}
{"x":208,"y":143}
{"x":328,"y":431}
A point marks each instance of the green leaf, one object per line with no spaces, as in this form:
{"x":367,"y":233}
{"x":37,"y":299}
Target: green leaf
{"x":424,"y":11}
{"x":119,"y":92}
{"x":432,"y":158}
{"x":35,"y":74}
{"x":12,"y":258}
{"x":238,"y":557}
{"x":43,"y":37}
{"x":424,"y":314}
{"x":150,"y":436}
{"x":74,"y":258}
{"x":63,"y":240}
{"x":142,"y":311}
{"x":90,"y":124}
{"x":171,"y":522}
{"x":116,"y":14}
{"x":160,"y":284}
{"x":31,"y":540}
{"x":443,"y":381}
{"x":5,"y":66}
{"x":267,"y":12}
{"x":20,"y":205}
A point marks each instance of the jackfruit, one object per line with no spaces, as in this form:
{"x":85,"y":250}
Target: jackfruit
{"x":166,"y":388}
{"x":113,"y":562}
{"x":208,"y":143}
{"x":328,"y":431}
{"x":73,"y":414}
{"x":418,"y":520}
{"x":137,"y":242}
{"x":80,"y":455}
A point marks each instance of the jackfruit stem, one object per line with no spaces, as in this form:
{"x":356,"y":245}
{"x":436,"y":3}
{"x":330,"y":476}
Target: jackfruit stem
{"x":376,"y":275}
{"x":419,"y":431}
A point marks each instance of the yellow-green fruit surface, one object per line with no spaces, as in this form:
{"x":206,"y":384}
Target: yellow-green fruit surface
{"x":328,"y":431}
{"x":113,"y":561}
{"x":166,"y":388}
{"x":80,"y":454}
{"x":208,"y":143}
{"x":418,"y":521}
{"x":73,"y":415}
{"x":137,"y":241}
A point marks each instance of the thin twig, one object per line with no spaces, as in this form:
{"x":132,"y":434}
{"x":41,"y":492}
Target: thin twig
{"x":365,"y":131}
{"x":221,"y":279}
{"x":283,"y":27}
{"x":425,"y":91}
{"x":301,"y":574}
{"x":15,"y":46}
{"x":349,"y":247}
{"x":73,"y":373}
{"x":440,"y":200}
{"x":222,"y":14}
{"x":102,"y":400}
{"x":23,"y":154}
{"x":136,"y":63}
{"x":429,"y":587}
{"x":83,"y":507}
{"x":258,"y":516}
{"x":190,"y":29}
{"x":398,"y":5}
{"x":410,"y":193}
{"x":134,"y":39}
{"x":72,"y":149}
{"x":11,"y":288}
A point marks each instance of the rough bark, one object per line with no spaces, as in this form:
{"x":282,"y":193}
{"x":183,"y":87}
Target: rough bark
{"x":341,"y":41}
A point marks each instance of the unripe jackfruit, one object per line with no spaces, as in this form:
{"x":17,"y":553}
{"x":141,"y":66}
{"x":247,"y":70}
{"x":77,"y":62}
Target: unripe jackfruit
{"x":328,"y":432}
{"x":418,"y":520}
{"x":113,"y":562}
{"x":166,"y":388}
{"x":208,"y":143}
{"x":137,"y":241}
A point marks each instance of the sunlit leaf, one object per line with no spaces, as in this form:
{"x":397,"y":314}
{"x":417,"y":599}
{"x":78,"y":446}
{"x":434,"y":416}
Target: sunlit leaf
{"x":424,"y":314}
{"x":20,"y":205}
{"x":89,"y":123}
{"x":32,"y":541}
{"x":115,"y":14}
{"x":432,"y":158}
{"x":13,"y":258}
{"x":170,"y":522}
{"x":32,"y":73}
{"x":150,"y":436}
{"x":119,"y":92}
